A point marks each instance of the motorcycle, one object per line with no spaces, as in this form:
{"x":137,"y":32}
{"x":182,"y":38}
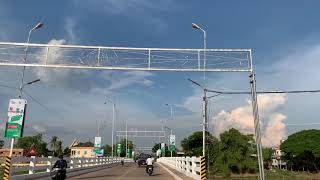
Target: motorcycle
{"x":58,"y":174}
{"x":150,"y":170}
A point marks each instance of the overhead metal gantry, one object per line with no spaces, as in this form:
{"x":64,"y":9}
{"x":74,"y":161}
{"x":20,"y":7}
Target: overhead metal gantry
{"x":137,"y":59}
{"x":142,"y":133}
{"x":124,"y":58}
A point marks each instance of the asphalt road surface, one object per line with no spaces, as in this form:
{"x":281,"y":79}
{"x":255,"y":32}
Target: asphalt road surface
{"x":132,"y":171}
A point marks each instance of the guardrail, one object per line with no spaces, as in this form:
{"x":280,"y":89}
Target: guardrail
{"x":190,"y":166}
{"x":37,"y":165}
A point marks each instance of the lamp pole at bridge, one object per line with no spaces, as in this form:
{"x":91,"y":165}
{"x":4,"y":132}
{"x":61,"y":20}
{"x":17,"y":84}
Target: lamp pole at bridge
{"x":113,"y":118}
{"x":171,"y":113}
{"x":37,"y":26}
{"x":195,"y":26}
{"x":204,"y":115}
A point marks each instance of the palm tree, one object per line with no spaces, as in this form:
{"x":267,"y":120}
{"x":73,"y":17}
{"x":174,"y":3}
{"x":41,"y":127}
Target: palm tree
{"x":54,"y":144}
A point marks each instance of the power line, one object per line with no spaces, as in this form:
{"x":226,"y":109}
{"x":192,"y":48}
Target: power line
{"x":43,"y":106}
{"x":264,"y":92}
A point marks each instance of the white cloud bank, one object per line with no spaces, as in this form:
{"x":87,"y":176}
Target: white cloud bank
{"x":241,"y":118}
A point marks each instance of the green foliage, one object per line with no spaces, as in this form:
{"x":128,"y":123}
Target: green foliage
{"x":156,"y":147}
{"x":306,"y":140}
{"x":56,"y":146}
{"x":1,"y":143}
{"x":35,"y":141}
{"x":234,"y":153}
{"x":67,"y":152}
{"x":267,"y":153}
{"x":192,"y":145}
{"x":107,"y":150}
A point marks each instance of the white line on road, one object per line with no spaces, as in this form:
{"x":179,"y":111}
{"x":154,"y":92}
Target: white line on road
{"x":170,"y":172}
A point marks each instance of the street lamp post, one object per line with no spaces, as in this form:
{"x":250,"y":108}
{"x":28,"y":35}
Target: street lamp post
{"x":195,"y":26}
{"x":113,"y":118}
{"x":168,"y":138}
{"x":171,"y":112}
{"x":204,"y":115}
{"x":37,"y":26}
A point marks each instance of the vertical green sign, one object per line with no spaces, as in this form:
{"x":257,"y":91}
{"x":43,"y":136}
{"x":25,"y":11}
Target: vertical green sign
{"x":172,"y":146}
{"x":129,"y":153}
{"x":119,"y":149}
{"x":16,"y":116}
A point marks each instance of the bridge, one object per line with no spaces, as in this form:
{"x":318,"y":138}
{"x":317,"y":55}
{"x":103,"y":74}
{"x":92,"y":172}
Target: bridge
{"x":107,"y":168}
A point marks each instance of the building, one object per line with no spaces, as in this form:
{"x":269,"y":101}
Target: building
{"x":82,"y":150}
{"x":15,"y":152}
{"x":276,"y":160}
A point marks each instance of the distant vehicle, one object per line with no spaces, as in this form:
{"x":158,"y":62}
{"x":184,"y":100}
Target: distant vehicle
{"x":142,"y":159}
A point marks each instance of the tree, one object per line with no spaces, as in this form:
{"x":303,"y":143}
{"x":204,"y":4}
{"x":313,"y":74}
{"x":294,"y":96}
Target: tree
{"x":56,"y":146}
{"x":192,"y":145}
{"x":67,"y":152}
{"x":306,"y":140}
{"x":35,"y":141}
{"x":156,"y":147}
{"x":107,"y":150}
{"x":1,"y":143}
{"x":53,"y":144}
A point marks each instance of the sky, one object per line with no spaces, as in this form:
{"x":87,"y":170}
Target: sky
{"x":284,"y":38}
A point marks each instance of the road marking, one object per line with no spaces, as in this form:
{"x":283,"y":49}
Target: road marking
{"x":170,"y":172}
{"x":127,"y":172}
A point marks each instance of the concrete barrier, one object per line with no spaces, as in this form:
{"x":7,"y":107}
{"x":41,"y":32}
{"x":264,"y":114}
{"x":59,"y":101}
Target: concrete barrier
{"x":190,"y":166}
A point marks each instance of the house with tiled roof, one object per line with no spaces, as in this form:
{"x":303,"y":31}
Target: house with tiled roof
{"x":82,"y":150}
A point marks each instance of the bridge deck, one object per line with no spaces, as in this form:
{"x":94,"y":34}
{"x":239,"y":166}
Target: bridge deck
{"x":132,"y":171}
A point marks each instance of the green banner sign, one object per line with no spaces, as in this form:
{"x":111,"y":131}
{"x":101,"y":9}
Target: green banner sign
{"x":172,"y":148}
{"x":119,"y":149}
{"x":98,"y":152}
{"x":16,"y":115}
{"x":129,"y":153}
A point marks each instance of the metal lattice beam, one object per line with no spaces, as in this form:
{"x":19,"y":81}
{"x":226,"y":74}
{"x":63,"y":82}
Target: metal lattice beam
{"x":147,"y":134}
{"x":124,"y":58}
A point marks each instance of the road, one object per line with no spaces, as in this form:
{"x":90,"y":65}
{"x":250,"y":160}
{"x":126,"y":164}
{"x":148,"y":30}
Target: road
{"x":132,"y":171}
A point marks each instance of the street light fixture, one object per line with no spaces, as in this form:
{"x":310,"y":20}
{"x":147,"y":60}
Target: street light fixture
{"x":37,"y":26}
{"x":171,"y":112}
{"x":113,"y":118}
{"x":204,"y":115}
{"x":195,"y":26}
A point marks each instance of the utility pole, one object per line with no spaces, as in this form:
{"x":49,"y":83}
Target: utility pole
{"x":126,"y":139}
{"x":204,"y":116}
{"x":113,"y":120}
{"x":204,"y":122}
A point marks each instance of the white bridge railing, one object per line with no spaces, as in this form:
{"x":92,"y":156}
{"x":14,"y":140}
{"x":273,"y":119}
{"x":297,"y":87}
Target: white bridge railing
{"x":33,"y":165}
{"x":189,"y":166}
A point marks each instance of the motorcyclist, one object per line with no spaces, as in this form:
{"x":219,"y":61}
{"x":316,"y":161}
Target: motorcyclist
{"x":62,"y":165}
{"x":122,"y":161}
{"x":149,"y":163}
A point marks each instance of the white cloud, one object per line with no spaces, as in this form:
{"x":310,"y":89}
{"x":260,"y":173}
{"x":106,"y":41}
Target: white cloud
{"x":241,"y":118}
{"x":39,"y":129}
{"x":70,"y":25}
{"x":275,"y":131}
{"x":130,"y":78}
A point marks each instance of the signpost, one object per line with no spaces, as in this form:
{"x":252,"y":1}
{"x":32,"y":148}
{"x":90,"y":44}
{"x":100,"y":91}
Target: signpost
{"x":97,"y":147}
{"x":97,"y":142}
{"x":119,"y":149}
{"x":172,"y":145}
{"x":163,"y":149}
{"x":14,"y":126}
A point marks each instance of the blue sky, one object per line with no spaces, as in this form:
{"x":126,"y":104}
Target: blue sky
{"x":283,"y":35}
